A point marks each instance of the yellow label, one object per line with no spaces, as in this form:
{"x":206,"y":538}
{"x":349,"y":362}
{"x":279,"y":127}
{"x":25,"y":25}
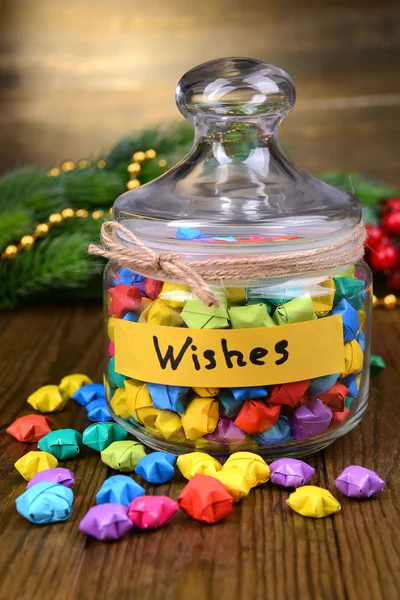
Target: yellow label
{"x":229,"y":357}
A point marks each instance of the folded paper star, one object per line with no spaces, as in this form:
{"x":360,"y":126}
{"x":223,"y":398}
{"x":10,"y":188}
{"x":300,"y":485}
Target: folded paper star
{"x":123,"y":455}
{"x":111,"y":328}
{"x":312,"y":501}
{"x":205,"y":499}
{"x":169,"y":425}
{"x":236,"y":483}
{"x":229,"y":405}
{"x":118,"y":403}
{"x":87,"y":393}
{"x":290,"y":472}
{"x":351,"y":322}
{"x":256,"y":416}
{"x":140,"y":404}
{"x":338,"y":417}
{"x":279,"y":432}
{"x":175,"y":295}
{"x":310,"y":419}
{"x":45,"y":502}
{"x":320,"y":385}
{"x":120,"y":489}
{"x":189,"y":233}
{"x":116,"y":379}
{"x":195,"y":463}
{"x":198,"y":316}
{"x":226,"y":432}
{"x":130,"y":278}
{"x":353,"y":358}
{"x":158,"y":313}
{"x":30,"y":428}
{"x":100,"y":435}
{"x":348,"y":402}
{"x":55,"y":475}
{"x":170,"y":397}
{"x":124,"y":298}
{"x":290,"y":394}
{"x":201,"y":417}
{"x":335,"y":397}
{"x":297,"y":310}
{"x":351,"y":384}
{"x":235,"y":295}
{"x":156,"y":467}
{"x":48,"y":398}
{"x":350,"y":289}
{"x":71,"y":383}
{"x":151,"y":512}
{"x":97,"y":410}
{"x":153,"y":287}
{"x":205,"y":392}
{"x":33,"y":462}
{"x":376,"y":364}
{"x":252,"y":315}
{"x":255,"y":468}
{"x":323,"y":300}
{"x":106,"y":522}
{"x":131,"y":317}
{"x":231,"y":400}
{"x":62,"y":443}
{"x":359,"y":482}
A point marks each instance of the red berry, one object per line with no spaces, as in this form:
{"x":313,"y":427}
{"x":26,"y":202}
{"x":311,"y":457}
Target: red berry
{"x":393,"y":204}
{"x":374,"y":236}
{"x":394,"y":281}
{"x":391,"y":222}
{"x":384,"y":258}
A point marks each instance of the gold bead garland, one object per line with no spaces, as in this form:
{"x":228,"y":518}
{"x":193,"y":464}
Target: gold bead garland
{"x":43,"y":229}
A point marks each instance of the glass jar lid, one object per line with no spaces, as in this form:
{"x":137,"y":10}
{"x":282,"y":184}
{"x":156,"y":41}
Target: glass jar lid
{"x":237,"y":186}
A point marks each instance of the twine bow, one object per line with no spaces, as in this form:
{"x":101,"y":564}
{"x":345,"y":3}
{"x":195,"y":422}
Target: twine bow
{"x":171,"y":266}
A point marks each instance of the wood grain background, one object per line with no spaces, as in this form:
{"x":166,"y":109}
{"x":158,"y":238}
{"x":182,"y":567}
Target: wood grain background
{"x":76,"y":75}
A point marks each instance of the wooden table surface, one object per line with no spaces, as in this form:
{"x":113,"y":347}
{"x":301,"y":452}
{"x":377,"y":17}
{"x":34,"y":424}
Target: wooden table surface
{"x":262,"y":551}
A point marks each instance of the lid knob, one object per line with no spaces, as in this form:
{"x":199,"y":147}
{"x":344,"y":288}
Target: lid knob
{"x":235,"y":88}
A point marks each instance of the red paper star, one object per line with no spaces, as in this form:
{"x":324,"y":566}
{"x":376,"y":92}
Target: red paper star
{"x":30,"y":428}
{"x":124,"y":298}
{"x":256,"y":416}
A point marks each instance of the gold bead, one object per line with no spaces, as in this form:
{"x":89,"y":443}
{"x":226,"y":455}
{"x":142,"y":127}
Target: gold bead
{"x":134,"y":167}
{"x":10,"y":252}
{"x":132,"y":184}
{"x":53,"y":172}
{"x":42,"y":229}
{"x":55,"y":218}
{"x":375,"y":301}
{"x":68,"y":165}
{"x":150,"y":153}
{"x":27,"y":241}
{"x":82,"y":212}
{"x":162,"y":162}
{"x":390,"y":301}
{"x":101,"y":164}
{"x":67,"y":213}
{"x":139,"y":156}
{"x":97,"y":214}
{"x":83,"y":164}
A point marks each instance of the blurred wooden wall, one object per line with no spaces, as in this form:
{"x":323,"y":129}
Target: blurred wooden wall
{"x":76,"y":75}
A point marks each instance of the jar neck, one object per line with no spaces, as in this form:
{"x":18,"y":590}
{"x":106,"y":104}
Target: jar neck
{"x":235,"y":141}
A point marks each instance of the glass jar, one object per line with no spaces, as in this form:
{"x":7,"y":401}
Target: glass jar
{"x":281,"y":365}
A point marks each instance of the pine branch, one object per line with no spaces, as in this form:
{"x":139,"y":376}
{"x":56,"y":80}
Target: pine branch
{"x":56,"y":268}
{"x":367,"y":190}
